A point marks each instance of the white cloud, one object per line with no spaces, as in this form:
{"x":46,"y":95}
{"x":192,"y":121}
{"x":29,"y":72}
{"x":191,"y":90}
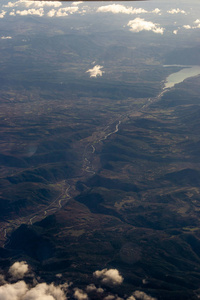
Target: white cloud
{"x":13,"y":291}
{"x":138,"y":295}
{"x":37,"y":4}
{"x":6,"y":37}
{"x":197,"y":24}
{"x":12,"y":13}
{"x":96,"y":71}
{"x":21,"y":291}
{"x":62,"y":12}
{"x":118,"y":8}
{"x":18,"y":269}
{"x":197,"y":21}
{"x":2,"y":14}
{"x":32,"y":11}
{"x":77,"y":2}
{"x":176,"y":11}
{"x":51,"y":13}
{"x":108,"y":277}
{"x":80,"y":294}
{"x":44,"y":291}
{"x":187,"y":26}
{"x":139,"y":24}
{"x":175,"y":31}
{"x":156,"y":11}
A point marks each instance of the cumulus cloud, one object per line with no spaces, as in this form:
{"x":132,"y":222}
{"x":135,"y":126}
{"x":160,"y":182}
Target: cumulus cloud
{"x":2,"y":14}
{"x":14,"y":291}
{"x":44,"y":291}
{"x":175,"y":31}
{"x":187,"y":26}
{"x":96,"y":71}
{"x":109,"y":277}
{"x":80,"y":294}
{"x":176,"y":11}
{"x":62,"y":12}
{"x":21,"y":291}
{"x":18,"y":270}
{"x":197,"y":24}
{"x":156,"y":11}
{"x":36,"y":4}
{"x":197,"y":21}
{"x":139,"y":24}
{"x":118,"y":8}
{"x":139,"y":295}
{"x":32,"y":11}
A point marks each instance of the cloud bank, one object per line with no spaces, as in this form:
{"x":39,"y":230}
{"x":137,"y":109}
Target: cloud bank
{"x":139,"y":24}
{"x":21,"y":291}
{"x":118,"y":8}
{"x":32,"y":11}
{"x":37,"y":4}
{"x":13,"y":286}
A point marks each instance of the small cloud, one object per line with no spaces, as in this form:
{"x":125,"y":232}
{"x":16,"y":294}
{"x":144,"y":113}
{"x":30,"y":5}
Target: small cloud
{"x":197,"y":24}
{"x":197,"y":21}
{"x":139,"y":295}
{"x":2,"y":14}
{"x":6,"y":37}
{"x":139,"y":24}
{"x":18,"y":270}
{"x":175,"y":31}
{"x":80,"y":294}
{"x":62,"y":12}
{"x":96,"y":71}
{"x":187,"y":26}
{"x":51,"y":13}
{"x":156,"y":11}
{"x":77,"y":2}
{"x":92,"y":288}
{"x":109,"y":277}
{"x":12,"y":13}
{"x":176,"y":11}
{"x":118,"y":8}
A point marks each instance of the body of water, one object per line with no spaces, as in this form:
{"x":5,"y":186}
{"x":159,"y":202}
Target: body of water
{"x":177,"y":77}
